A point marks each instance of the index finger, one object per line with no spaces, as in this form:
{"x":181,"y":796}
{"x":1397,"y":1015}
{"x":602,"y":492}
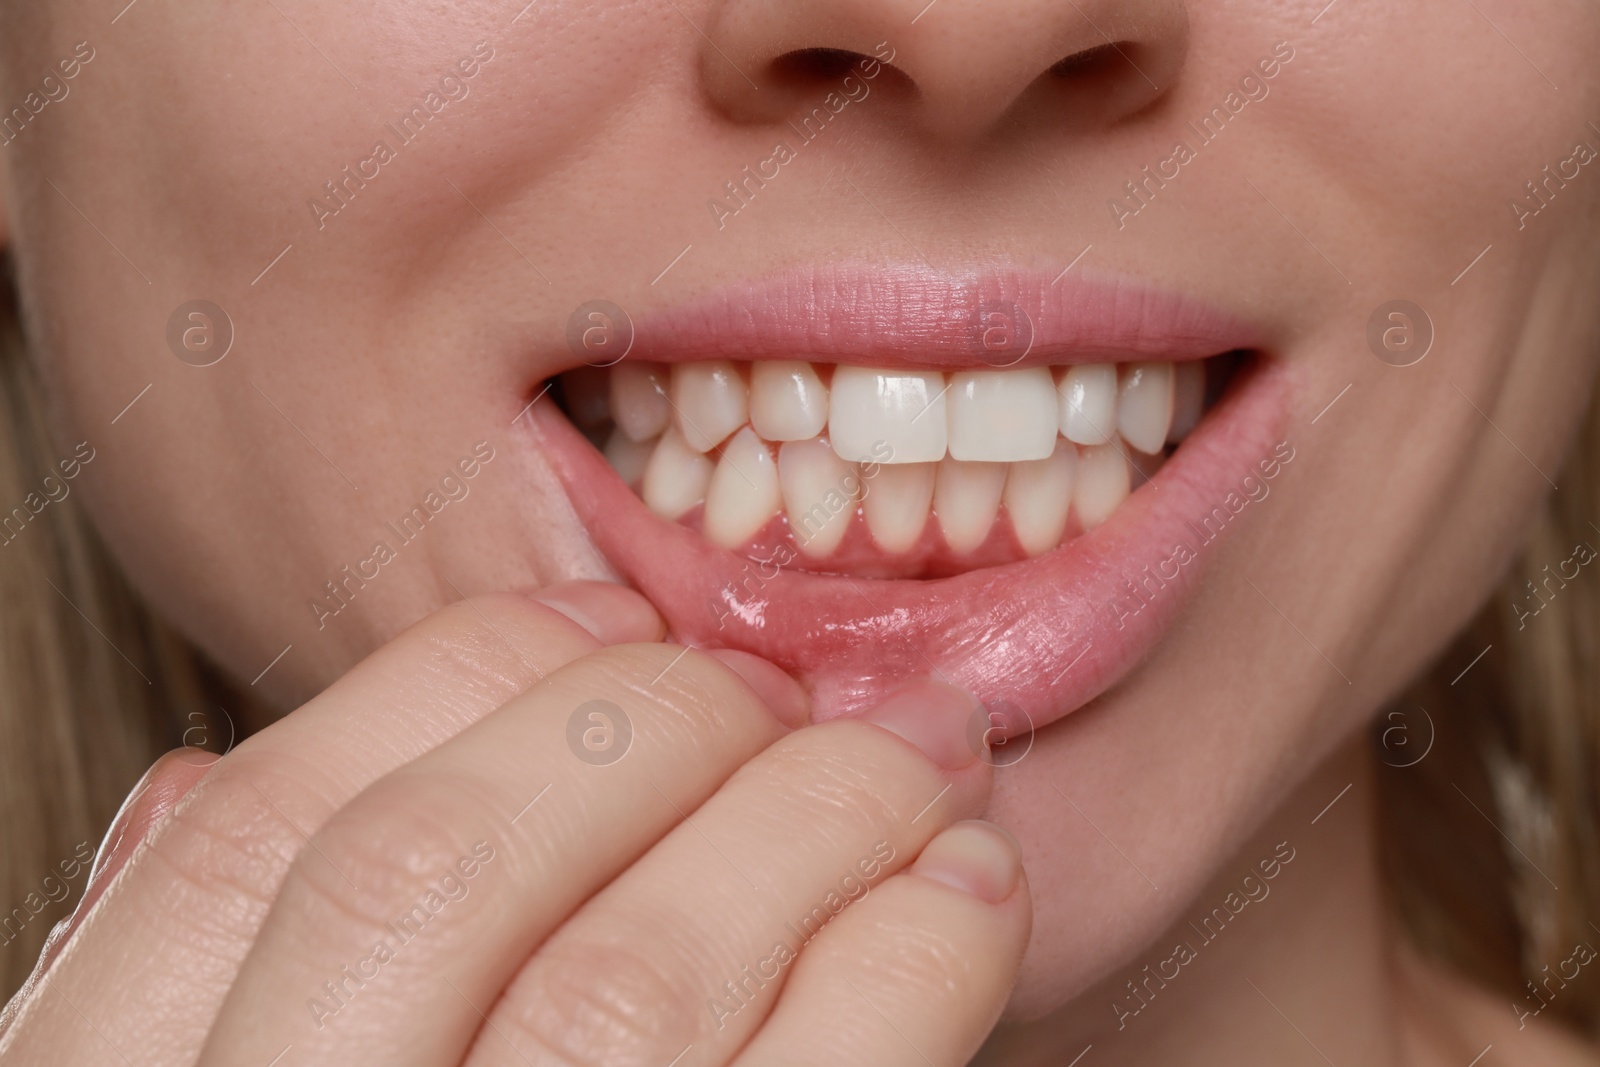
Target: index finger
{"x":200,"y":885}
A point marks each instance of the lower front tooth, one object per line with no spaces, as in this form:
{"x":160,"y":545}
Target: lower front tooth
{"x":1038,"y":496}
{"x":743,"y":495}
{"x":627,"y":456}
{"x":1102,"y":484}
{"x":820,"y":491}
{"x":676,"y":477}
{"x":896,"y":504}
{"x":966,"y":498}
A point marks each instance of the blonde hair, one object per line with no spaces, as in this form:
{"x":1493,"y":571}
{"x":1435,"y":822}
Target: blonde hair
{"x":93,"y":688}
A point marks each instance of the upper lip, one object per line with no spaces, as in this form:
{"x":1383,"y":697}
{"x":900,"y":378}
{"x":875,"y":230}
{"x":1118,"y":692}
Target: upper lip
{"x":915,"y":316}
{"x":1036,"y":635}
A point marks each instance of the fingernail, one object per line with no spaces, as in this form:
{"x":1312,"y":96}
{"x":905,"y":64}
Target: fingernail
{"x":976,"y":857}
{"x":934,"y":717}
{"x":614,"y":614}
{"x":782,"y":695}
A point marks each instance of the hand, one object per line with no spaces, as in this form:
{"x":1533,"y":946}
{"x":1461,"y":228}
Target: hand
{"x":417,"y":868}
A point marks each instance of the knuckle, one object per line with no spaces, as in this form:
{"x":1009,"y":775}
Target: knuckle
{"x":693,"y":690}
{"x":588,"y":1004}
{"x":391,"y":857}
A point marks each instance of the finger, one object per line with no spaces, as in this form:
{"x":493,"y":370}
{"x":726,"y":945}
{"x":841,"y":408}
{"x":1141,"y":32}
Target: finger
{"x":689,"y":946}
{"x":416,"y":904}
{"x":186,"y":906}
{"x":917,"y":974}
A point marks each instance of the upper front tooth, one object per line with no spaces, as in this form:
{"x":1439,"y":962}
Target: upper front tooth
{"x":896,"y":504}
{"x":1188,"y":397}
{"x":788,"y":402}
{"x":743,"y":495}
{"x":639,"y":399}
{"x":676,"y":477}
{"x":1089,"y":403}
{"x":1003,"y":416}
{"x":711,"y":400}
{"x":1144,"y":405}
{"x":887,"y":416}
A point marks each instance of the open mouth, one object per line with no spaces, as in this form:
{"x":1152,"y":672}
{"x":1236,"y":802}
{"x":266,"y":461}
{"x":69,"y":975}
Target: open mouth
{"x":834,"y":471}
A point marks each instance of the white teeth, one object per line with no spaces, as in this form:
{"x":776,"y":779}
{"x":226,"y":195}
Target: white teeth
{"x":676,"y":477}
{"x":887,"y":416}
{"x":896,"y":504}
{"x":743,"y":495}
{"x":627,"y":456}
{"x":1144,"y":405}
{"x":1088,"y":394}
{"x":1102,"y":484}
{"x":966,"y":497}
{"x":1003,"y":416}
{"x":819,"y":494}
{"x":639,"y":399}
{"x":1038,"y":495}
{"x":711,"y":400}
{"x":788,"y":402}
{"x":1188,"y":398}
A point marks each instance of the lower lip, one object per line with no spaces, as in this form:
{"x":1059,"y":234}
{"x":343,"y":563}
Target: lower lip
{"x":1041,"y":637}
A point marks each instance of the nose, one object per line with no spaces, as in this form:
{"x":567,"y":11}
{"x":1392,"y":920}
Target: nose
{"x":961,"y":67}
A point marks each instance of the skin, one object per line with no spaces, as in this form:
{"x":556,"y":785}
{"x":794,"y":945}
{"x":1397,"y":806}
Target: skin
{"x":382,"y":346}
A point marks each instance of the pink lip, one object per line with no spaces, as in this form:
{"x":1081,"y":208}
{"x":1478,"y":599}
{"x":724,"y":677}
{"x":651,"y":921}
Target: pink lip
{"x":916,"y":316}
{"x":1044,"y":636}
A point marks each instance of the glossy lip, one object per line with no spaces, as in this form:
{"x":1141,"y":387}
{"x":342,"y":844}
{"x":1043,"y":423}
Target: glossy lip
{"x":1040,"y":636}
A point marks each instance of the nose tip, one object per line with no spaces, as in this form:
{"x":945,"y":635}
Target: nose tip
{"x":959,"y":68}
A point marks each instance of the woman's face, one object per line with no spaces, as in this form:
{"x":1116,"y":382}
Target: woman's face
{"x":404,"y":216}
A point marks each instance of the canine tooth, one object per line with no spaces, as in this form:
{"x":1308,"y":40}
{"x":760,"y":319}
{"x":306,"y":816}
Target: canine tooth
{"x":1144,"y":405}
{"x":1038,"y":496}
{"x":676,"y":477}
{"x":966,"y":498}
{"x":788,"y":402}
{"x":1003,"y":416}
{"x":896,"y":504}
{"x":743,"y":495}
{"x":627,"y":456}
{"x":639,"y":399}
{"x":711,"y":400}
{"x":1102,"y":484}
{"x":820,"y":491}
{"x":1088,"y":394}
{"x":1188,"y":397}
{"x":886,"y":415}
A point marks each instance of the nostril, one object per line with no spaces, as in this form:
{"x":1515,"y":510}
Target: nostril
{"x":1087,"y":63}
{"x":815,"y":64}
